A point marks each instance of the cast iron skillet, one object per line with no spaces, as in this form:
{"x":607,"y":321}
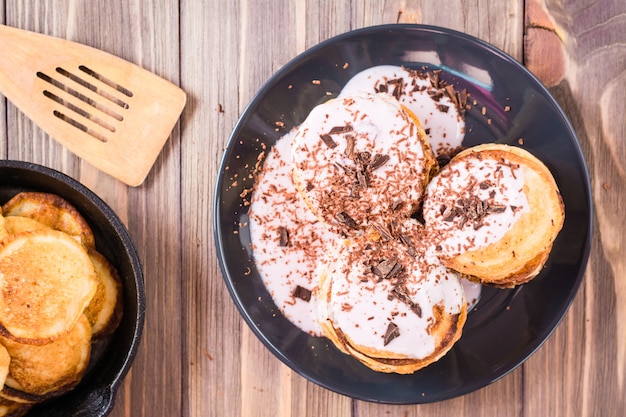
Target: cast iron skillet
{"x":95,"y":394}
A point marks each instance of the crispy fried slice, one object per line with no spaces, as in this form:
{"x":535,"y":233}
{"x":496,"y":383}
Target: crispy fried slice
{"x":46,"y":281}
{"x":105,"y":309}
{"x":51,"y":210}
{"x":40,"y":372}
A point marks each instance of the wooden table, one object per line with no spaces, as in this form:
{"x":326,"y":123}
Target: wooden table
{"x":198,"y":358}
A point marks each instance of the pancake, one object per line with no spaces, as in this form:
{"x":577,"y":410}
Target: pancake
{"x":19,"y":224}
{"x":46,"y":281}
{"x":493,"y":214}
{"x":104,"y":311}
{"x":39,"y":372}
{"x":5,"y":360}
{"x":3,"y":231}
{"x":361,"y":158}
{"x":51,"y":210}
{"x":9,"y":408}
{"x":386,"y":304}
{"x":438,"y":106}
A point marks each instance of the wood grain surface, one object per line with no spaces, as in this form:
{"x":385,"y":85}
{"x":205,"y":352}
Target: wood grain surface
{"x":198,"y":358}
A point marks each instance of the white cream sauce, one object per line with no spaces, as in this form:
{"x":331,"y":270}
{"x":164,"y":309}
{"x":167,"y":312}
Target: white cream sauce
{"x":446,"y":129}
{"x":276,"y":203}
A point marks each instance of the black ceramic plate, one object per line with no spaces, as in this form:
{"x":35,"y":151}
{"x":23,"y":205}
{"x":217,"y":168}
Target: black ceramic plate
{"x":94,"y":396}
{"x":507,"y":326}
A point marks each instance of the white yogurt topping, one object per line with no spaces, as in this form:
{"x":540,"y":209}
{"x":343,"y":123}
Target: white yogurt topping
{"x":363,"y":309}
{"x":375,"y":125}
{"x":495,"y":184}
{"x":276,"y":203}
{"x":446,"y":129}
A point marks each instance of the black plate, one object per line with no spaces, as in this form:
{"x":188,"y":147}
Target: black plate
{"x":507,"y":326}
{"x":94,"y":396}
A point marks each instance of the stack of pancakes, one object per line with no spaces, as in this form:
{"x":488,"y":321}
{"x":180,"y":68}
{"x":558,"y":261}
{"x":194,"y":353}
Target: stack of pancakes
{"x":58,"y":295}
{"x":389,"y":291}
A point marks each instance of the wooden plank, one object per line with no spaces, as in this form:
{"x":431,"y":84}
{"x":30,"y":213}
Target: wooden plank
{"x":210,"y":44}
{"x":586,"y":78}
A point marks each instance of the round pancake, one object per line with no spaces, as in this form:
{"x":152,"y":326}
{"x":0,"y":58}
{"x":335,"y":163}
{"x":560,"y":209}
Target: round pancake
{"x":493,"y":214}
{"x":40,"y":372}
{"x":361,"y":158}
{"x":46,"y":281}
{"x":20,"y":224}
{"x":5,"y":360}
{"x":9,"y":408}
{"x":104,"y":311}
{"x":51,"y":210}
{"x":385,"y":303}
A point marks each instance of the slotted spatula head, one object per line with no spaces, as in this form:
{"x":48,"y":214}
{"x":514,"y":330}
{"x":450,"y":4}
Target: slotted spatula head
{"x":108,"y":111}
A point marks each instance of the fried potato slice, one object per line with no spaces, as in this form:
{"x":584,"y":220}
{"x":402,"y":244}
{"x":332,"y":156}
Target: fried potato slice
{"x":104,"y":312}
{"x":46,"y":281}
{"x":40,"y":372}
{"x":51,"y":210}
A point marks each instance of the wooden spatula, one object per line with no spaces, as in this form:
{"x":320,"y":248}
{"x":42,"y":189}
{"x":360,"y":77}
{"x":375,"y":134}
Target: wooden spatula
{"x":108,"y":111}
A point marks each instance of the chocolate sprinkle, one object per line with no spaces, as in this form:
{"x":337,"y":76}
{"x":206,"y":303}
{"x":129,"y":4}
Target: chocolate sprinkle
{"x":391,"y":333}
{"x":302,"y":293}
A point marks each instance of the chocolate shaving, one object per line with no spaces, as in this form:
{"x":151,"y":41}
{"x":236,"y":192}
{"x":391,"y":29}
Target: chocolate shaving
{"x":343,"y":218}
{"x":309,"y":186}
{"x":382,"y":231}
{"x":354,"y":190}
{"x":396,"y":205}
{"x":302,"y":293}
{"x":394,"y":228}
{"x":391,"y":333}
{"x":362,"y":158}
{"x":340,"y":129}
{"x":362,"y":179}
{"x":484,"y":185}
{"x":409,"y":244}
{"x":496,"y":208}
{"x":471,"y":209}
{"x":328,"y":141}
{"x":378,"y":161}
{"x":443,"y":108}
{"x":351,"y":140}
{"x":385,"y":268}
{"x":401,"y":293}
{"x":284,"y":236}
